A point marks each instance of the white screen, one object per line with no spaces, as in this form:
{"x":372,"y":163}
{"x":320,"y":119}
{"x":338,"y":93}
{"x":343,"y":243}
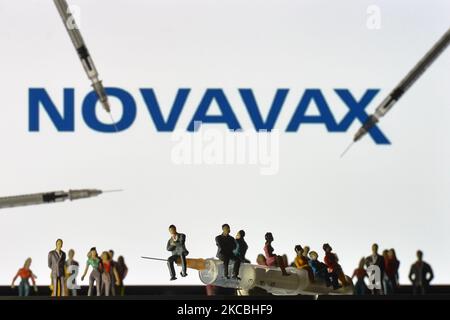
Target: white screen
{"x":396,"y":195}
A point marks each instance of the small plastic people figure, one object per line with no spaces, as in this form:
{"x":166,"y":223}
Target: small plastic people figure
{"x":239,"y":253}
{"x":176,"y":245}
{"x":225,"y":246}
{"x":122,"y":271}
{"x":420,"y":275}
{"x":57,"y":262}
{"x":306,"y":252}
{"x":271,"y":258}
{"x":334,"y":269}
{"x":114,"y":280}
{"x":301,"y":262}
{"x":107,"y":275}
{"x":70,"y":264}
{"x":384,"y":279}
{"x":241,"y":247}
{"x":95,"y":275}
{"x":319,"y":269}
{"x":391,"y":266}
{"x":360,"y":273}
{"x":378,"y":260}
{"x":25,"y":275}
{"x":284,"y":259}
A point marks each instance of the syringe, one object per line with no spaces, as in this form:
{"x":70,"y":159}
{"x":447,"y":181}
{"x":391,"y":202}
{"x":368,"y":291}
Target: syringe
{"x":49,"y":197}
{"x":83,"y":54}
{"x":271,"y":279}
{"x":402,"y":87}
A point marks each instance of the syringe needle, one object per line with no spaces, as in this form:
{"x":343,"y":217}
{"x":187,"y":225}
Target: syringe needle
{"x":346,"y":149}
{"x":113,"y":122}
{"x":156,"y":259}
{"x":116,"y":190}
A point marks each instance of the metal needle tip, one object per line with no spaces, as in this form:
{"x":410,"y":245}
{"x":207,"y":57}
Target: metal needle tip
{"x":117,"y":190}
{"x":346,"y":149}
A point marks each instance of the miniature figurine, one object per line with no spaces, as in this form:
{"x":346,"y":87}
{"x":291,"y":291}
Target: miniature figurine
{"x":420,"y":275}
{"x":360,"y":273}
{"x":176,"y":245}
{"x":95,"y":275}
{"x":56,"y":262}
{"x":334,"y":268}
{"x":384,"y":254}
{"x":239,"y":253}
{"x":109,"y":273}
{"x":225,"y":246}
{"x":114,"y":280}
{"x":301,"y":262}
{"x":71,"y":263}
{"x":391,"y":266}
{"x":25,"y":275}
{"x":319,"y":268}
{"x":241,"y":247}
{"x":122,"y":271}
{"x":271,"y":258}
{"x":306,"y":250}
{"x":378,"y":260}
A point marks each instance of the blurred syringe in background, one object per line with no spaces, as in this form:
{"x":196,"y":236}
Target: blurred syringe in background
{"x":83,"y":53}
{"x":402,"y":87}
{"x":49,"y":197}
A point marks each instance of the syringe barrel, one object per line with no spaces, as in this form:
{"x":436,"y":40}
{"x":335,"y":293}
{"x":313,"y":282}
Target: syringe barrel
{"x":32,"y":199}
{"x":267,"y":278}
{"x":78,"y":42}
{"x":270,"y":279}
{"x":413,"y":75}
{"x":423,"y":64}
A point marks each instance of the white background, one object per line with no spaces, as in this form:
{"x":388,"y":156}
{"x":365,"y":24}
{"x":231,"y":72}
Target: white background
{"x":395,"y":195}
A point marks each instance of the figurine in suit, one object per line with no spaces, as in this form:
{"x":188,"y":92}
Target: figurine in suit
{"x":377,"y":260}
{"x":176,"y":245}
{"x":420,"y":275}
{"x":57,"y":262}
{"x":225,"y":247}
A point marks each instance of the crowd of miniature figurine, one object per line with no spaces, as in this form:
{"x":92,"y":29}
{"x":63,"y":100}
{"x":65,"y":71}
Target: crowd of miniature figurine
{"x":233,"y":250}
{"x":107,"y":275}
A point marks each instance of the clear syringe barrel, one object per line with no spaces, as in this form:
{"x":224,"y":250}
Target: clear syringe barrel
{"x":413,"y":75}
{"x":32,"y":199}
{"x":69,"y":23}
{"x":78,"y":42}
{"x":270,"y":279}
{"x":82,"y":50}
{"x":267,"y":278}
